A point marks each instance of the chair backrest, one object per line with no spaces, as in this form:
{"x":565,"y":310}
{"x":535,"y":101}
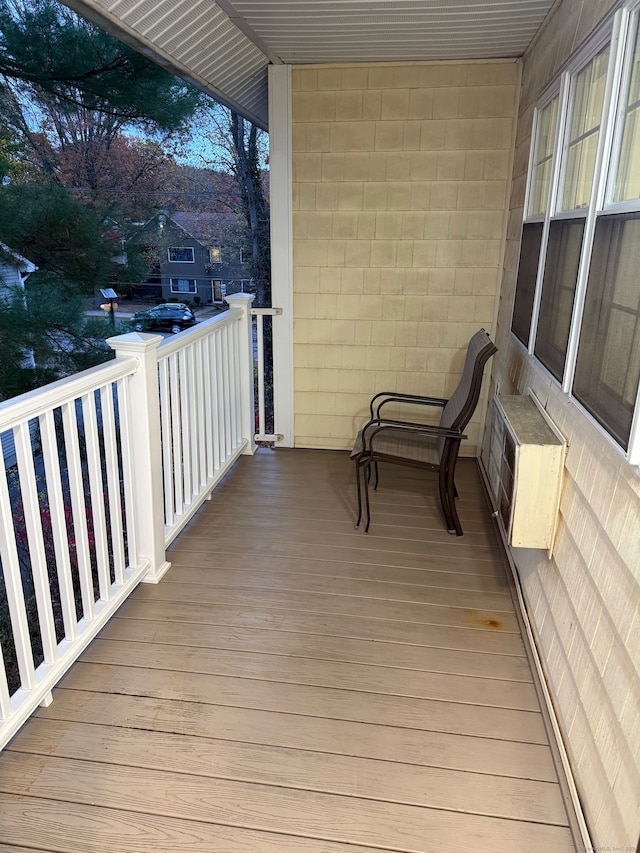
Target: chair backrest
{"x":462,"y":403}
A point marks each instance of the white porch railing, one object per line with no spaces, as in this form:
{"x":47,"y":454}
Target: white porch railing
{"x":110,"y":466}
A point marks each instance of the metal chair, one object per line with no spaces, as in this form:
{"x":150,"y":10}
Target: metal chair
{"x":429,"y":446}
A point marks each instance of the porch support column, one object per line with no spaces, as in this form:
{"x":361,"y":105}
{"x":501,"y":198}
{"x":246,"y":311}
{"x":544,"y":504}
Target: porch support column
{"x":281,"y":200}
{"x":243,"y":302}
{"x":143,"y":429}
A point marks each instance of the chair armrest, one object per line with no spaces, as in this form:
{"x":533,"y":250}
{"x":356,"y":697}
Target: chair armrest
{"x":377,"y":425}
{"x":396,"y":397}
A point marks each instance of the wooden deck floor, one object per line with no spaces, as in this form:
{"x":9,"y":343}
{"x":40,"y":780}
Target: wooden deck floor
{"x":296,"y":686}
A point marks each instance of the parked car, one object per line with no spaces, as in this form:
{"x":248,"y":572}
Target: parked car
{"x":169,"y":317}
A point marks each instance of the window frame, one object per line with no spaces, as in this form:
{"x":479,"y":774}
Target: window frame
{"x":215,"y":255}
{"x":181,"y":249}
{"x":619,"y":31}
{"x":182,"y":278}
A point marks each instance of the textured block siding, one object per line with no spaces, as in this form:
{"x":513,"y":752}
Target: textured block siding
{"x":585,"y":602}
{"x":401,"y":180}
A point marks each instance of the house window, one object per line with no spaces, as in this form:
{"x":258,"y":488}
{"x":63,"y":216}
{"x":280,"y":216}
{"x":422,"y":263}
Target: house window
{"x":543,"y":159}
{"x":608,"y":365}
{"x":215,"y":255}
{"x":577,"y":304}
{"x":526,"y":286}
{"x":181,"y":254}
{"x":558,"y":291}
{"x":183,"y":285}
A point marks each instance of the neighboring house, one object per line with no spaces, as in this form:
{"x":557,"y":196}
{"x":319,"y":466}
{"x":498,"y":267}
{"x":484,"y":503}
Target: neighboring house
{"x":194,"y":257}
{"x":14,"y":271}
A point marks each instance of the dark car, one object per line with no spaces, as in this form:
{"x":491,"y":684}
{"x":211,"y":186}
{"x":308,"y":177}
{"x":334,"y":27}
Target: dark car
{"x":170,"y":317}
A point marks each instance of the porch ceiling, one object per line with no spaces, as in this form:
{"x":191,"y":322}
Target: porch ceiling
{"x":225,"y":47}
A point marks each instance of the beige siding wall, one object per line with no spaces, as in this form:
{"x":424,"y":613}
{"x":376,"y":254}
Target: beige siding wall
{"x":585,"y":601}
{"x":401,"y":177}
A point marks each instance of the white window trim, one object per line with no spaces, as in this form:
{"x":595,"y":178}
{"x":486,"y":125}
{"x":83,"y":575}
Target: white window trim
{"x":181,"y":248}
{"x":617,"y":30}
{"x":174,"y":290}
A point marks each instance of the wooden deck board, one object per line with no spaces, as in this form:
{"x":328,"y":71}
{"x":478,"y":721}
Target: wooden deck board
{"x":295,"y":645}
{"x":271,"y":808}
{"x":316,"y":672}
{"x":296,"y":685}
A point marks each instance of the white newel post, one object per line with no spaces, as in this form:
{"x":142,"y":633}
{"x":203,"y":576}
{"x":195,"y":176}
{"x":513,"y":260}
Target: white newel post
{"x":243,"y":301}
{"x":146,"y":451}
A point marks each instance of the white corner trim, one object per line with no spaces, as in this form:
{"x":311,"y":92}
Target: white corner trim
{"x":281,"y":247}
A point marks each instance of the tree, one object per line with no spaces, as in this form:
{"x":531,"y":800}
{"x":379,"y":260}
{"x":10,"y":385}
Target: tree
{"x":239,"y":148}
{"x":246,"y":154}
{"x":74,"y":252}
{"x":70,"y":89}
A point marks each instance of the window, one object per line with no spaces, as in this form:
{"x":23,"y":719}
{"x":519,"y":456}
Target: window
{"x":183,"y":285}
{"x":577,"y":304}
{"x":544,"y":156}
{"x":526,"y":286}
{"x":608,"y":365}
{"x":215,"y":255}
{"x":558,"y":291}
{"x":628,"y":179}
{"x":587,"y":98}
{"x":181,"y":254}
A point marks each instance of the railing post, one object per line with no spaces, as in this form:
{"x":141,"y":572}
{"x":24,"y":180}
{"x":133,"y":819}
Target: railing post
{"x":146,"y":452}
{"x":243,"y":301}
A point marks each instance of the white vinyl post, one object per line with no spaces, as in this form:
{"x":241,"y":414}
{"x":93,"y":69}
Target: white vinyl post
{"x":281,"y":198}
{"x":243,"y":302}
{"x":143,"y":431}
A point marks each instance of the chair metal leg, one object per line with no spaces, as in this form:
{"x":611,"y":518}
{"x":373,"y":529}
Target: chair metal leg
{"x":375,"y":485}
{"x":358,"y":493}
{"x":452,"y":494}
{"x":366,"y":499}
{"x":445,"y":503}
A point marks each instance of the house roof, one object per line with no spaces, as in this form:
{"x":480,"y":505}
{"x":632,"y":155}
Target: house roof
{"x":225,"y":47}
{"x":10,"y":258}
{"x":210,"y":228}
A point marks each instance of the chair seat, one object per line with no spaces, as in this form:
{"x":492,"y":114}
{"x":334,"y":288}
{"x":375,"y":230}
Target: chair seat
{"x":402,"y":444}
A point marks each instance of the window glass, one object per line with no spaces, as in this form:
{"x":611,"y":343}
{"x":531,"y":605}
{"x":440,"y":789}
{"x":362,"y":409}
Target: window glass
{"x":181,"y":254}
{"x":526,"y":283}
{"x":183,"y":285}
{"x":628,"y":178}
{"x":215,"y":255}
{"x":544,"y":157}
{"x":586,"y":114}
{"x":608,"y":365}
{"x":558,"y":293}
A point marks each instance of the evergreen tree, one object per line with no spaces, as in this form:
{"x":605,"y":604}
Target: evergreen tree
{"x":70,"y":89}
{"x":43,"y":331}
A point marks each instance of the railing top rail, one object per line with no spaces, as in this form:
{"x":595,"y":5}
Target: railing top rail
{"x":26,"y":406}
{"x":175,"y":343}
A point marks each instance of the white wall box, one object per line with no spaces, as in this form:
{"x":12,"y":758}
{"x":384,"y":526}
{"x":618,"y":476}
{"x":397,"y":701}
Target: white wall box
{"x":524,"y":461}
